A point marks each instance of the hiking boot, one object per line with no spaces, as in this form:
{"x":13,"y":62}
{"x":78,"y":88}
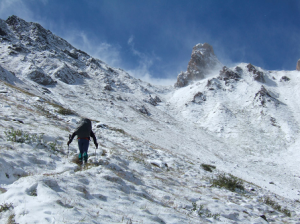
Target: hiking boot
{"x":85,"y":157}
{"x":80,"y":157}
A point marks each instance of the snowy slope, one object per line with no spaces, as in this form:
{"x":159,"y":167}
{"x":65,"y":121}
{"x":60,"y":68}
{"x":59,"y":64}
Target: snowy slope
{"x":153,"y":140}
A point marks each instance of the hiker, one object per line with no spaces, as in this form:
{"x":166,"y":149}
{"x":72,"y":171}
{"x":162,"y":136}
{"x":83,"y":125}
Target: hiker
{"x":84,"y":132}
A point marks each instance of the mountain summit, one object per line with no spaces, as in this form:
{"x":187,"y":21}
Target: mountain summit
{"x":203,"y":60}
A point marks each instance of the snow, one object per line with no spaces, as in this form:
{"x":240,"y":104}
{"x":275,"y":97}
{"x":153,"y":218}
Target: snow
{"x":148,"y":168}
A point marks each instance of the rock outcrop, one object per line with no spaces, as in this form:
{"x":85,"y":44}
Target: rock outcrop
{"x":298,"y":65}
{"x":257,"y":75}
{"x":203,"y":60}
{"x":41,"y":78}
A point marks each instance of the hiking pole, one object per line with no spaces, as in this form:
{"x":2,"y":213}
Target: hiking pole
{"x":68,"y":146}
{"x":95,"y":153}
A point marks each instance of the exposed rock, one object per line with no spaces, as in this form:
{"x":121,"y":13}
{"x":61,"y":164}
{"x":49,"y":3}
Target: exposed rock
{"x":199,"y":98}
{"x":41,"y":78}
{"x":144,"y":110}
{"x":203,"y":60}
{"x":108,"y":87}
{"x":257,"y":75}
{"x":298,"y":65}
{"x":46,"y":91}
{"x":84,"y":74}
{"x":2,"y":32}
{"x":34,"y":35}
{"x":153,"y":101}
{"x":284,"y":79}
{"x":71,"y":54}
{"x":213,"y":84}
{"x":182,"y":79}
{"x":15,"y":48}
{"x":14,"y":21}
{"x":238,"y":69}
{"x":263,"y":96}
{"x":7,"y":76}
{"x":68,"y":75}
{"x":226,"y":74}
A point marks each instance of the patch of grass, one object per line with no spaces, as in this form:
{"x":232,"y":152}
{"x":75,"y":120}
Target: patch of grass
{"x":118,"y":130}
{"x":276,"y":206}
{"x":229,"y":182}
{"x":18,"y":88}
{"x":202,"y":212}
{"x":5,"y":207}
{"x":208,"y":167}
{"x":22,"y":136}
{"x":55,"y":147}
{"x":65,"y":111}
{"x":11,"y":219}
{"x":2,"y":190}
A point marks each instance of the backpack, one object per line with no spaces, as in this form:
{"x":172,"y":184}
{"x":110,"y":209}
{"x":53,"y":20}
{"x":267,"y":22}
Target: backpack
{"x":84,"y":128}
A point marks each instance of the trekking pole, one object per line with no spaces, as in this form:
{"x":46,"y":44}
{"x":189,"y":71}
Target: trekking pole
{"x":68,"y":146}
{"x":95,"y":153}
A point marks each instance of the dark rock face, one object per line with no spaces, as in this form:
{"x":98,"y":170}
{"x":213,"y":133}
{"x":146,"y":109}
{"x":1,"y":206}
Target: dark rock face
{"x":257,"y":75}
{"x":202,"y":61}
{"x":68,"y":75}
{"x":14,"y":20}
{"x":17,"y":48}
{"x":227,"y":74}
{"x":298,"y":65}
{"x":213,"y":84}
{"x":108,"y":87}
{"x":199,"y":98}
{"x":2,"y":32}
{"x":144,"y":110}
{"x":182,"y":79}
{"x":41,"y":78}
{"x":284,"y":79}
{"x":153,"y":101}
{"x":71,"y":54}
{"x":263,"y":96}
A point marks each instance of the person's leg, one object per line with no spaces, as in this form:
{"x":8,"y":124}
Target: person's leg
{"x":85,"y":147}
{"x":81,"y":146}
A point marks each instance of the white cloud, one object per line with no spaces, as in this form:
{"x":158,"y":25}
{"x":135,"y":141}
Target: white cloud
{"x":15,"y":7}
{"x":145,"y":61}
{"x":102,"y":50}
{"x":130,"y":40}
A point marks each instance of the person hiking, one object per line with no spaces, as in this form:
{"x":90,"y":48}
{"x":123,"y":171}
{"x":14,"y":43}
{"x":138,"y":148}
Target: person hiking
{"x":84,"y":132}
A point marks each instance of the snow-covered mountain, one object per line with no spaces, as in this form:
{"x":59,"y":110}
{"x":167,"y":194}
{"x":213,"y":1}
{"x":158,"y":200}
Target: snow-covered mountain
{"x":156,"y":142}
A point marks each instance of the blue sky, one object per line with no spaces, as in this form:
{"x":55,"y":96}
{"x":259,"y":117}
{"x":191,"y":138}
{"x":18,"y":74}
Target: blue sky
{"x":153,"y":39}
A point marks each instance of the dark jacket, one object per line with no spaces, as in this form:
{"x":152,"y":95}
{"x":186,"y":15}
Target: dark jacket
{"x":84,"y":130}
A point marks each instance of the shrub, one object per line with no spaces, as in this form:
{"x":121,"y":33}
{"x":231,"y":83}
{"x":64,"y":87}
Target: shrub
{"x":202,"y":212}
{"x":55,"y":147}
{"x":22,"y":136}
{"x":208,"y":167}
{"x":5,"y":207}
{"x":64,"y":111}
{"x":229,"y":182}
{"x":276,"y":206}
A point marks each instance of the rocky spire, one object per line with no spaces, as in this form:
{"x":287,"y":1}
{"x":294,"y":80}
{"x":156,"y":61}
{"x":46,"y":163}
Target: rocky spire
{"x":203,"y":60}
{"x":298,"y":65}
